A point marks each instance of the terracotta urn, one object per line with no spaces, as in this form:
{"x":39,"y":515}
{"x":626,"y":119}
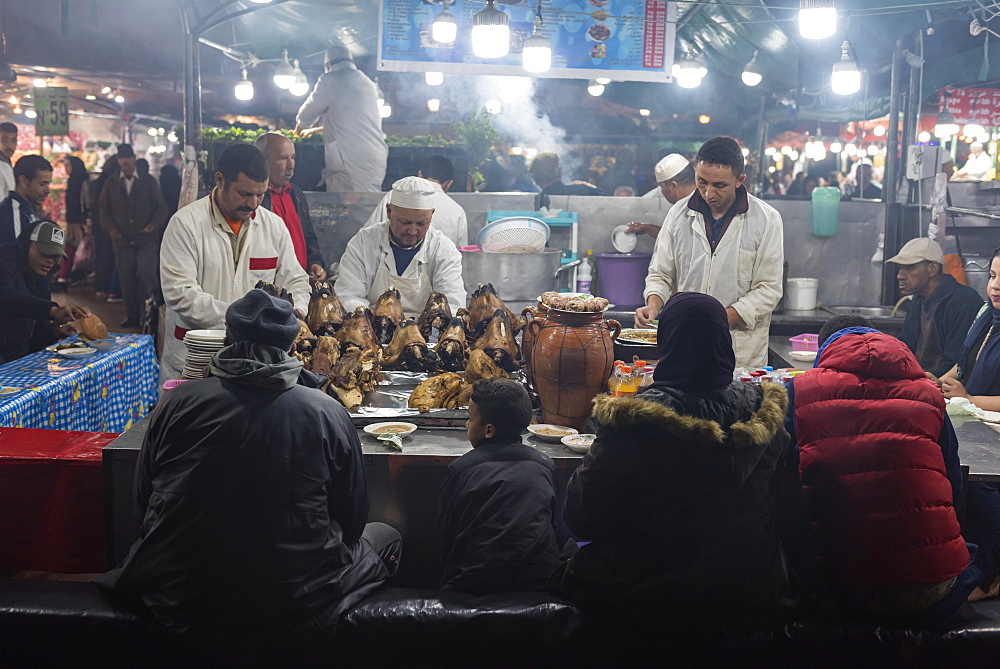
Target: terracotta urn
{"x":572,"y":356}
{"x":528,"y":339}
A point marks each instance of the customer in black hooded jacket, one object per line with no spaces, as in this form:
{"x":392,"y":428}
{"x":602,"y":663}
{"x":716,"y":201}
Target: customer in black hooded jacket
{"x":29,"y":319}
{"x":677,"y":493}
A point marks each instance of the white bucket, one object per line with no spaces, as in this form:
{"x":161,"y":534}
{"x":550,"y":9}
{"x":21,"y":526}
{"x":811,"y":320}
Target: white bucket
{"x":801,"y":294}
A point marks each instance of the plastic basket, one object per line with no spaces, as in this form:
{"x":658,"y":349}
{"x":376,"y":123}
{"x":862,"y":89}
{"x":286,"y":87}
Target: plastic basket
{"x":519,"y":234}
{"x":805,"y":342}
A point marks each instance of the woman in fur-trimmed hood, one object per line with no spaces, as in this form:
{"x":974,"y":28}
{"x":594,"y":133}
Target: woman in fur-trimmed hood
{"x":677,"y":494}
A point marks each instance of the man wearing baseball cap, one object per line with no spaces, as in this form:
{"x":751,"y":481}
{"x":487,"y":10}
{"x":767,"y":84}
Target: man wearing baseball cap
{"x":674,"y":182}
{"x":29,"y":319}
{"x":941,"y":311}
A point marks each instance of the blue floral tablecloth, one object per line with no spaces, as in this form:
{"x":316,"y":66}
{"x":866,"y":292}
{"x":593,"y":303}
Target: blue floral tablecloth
{"x":106,"y":392}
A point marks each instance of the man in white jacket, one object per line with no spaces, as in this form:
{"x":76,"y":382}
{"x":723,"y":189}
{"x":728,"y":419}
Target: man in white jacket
{"x":405,"y":253}
{"x":449,"y":217}
{"x":346,"y":101}
{"x":216,"y":249}
{"x":726,"y":243}
{"x":8,"y":145}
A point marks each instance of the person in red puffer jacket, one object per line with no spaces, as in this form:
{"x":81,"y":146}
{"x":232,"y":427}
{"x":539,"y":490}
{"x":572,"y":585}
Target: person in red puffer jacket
{"x":879,"y":473}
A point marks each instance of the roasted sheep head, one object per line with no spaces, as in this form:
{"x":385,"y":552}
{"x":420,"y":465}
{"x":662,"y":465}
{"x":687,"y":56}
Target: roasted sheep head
{"x":387,"y":314}
{"x":408,"y":350}
{"x":452,"y":348}
{"x":498,"y":342}
{"x":275,"y":291}
{"x":438,"y":392}
{"x":436,"y":315}
{"x":305,"y":341}
{"x":355,"y":373}
{"x":482,"y":306}
{"x":326,"y":311}
{"x":481,"y":366}
{"x":356,"y":331}
{"x":325,"y":355}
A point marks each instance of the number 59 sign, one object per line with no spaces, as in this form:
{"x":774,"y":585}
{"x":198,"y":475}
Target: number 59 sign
{"x":52,"y":109}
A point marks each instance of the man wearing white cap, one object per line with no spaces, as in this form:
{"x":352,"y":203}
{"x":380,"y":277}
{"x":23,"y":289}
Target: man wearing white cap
{"x":403,"y":252}
{"x":674,"y":182}
{"x":978,"y":164}
{"x":941,"y":311}
{"x":345,"y":104}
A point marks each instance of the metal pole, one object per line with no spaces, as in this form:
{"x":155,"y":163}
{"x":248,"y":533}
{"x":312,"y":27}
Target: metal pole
{"x":892,"y":222}
{"x":192,"y":88}
{"x":762,"y":126}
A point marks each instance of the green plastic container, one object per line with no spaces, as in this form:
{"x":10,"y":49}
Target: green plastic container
{"x":826,"y":211}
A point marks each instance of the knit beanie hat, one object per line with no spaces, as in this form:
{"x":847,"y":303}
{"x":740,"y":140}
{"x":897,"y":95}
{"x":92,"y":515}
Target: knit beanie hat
{"x":263,"y":319}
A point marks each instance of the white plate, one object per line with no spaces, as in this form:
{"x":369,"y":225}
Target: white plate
{"x":988,"y":416}
{"x":554,"y":438}
{"x":623,"y":241}
{"x":82,"y":352}
{"x":579,"y":443}
{"x":206,"y":334}
{"x":629,"y":335}
{"x":803,"y":356}
{"x":411,"y":428}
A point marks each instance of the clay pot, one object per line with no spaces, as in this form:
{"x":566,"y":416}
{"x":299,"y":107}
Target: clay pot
{"x":571,"y":359}
{"x":528,"y":339}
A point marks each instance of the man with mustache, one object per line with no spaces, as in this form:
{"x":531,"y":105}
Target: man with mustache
{"x":289,"y":202}
{"x":216,"y":249}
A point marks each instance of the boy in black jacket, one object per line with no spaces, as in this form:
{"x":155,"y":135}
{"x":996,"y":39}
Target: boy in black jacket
{"x":498,"y":501}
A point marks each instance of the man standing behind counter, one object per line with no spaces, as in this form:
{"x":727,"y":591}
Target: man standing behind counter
{"x":217,"y":248}
{"x":942,"y":309}
{"x":403,"y":252}
{"x":723,"y":242}
{"x":289,"y":202}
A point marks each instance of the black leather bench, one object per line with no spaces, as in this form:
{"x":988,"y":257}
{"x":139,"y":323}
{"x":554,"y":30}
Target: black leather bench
{"x":46,"y":623}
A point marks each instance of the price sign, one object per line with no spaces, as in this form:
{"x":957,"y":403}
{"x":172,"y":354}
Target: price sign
{"x":52,"y":109}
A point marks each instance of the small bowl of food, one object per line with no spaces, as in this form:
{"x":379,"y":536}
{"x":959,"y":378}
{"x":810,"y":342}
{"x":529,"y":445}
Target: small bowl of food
{"x":397,"y":428}
{"x":549,"y":432}
{"x":803,"y":356}
{"x":579,"y":443}
{"x":103,"y":345}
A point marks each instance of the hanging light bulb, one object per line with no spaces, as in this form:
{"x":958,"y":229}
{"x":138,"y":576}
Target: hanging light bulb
{"x":244,"y":89}
{"x":879,"y":131}
{"x":119,"y":98}
{"x":90,"y":96}
{"x":851,"y":150}
{"x":39,"y":83}
{"x":105,"y":90}
{"x":536,"y":55}
{"x":385,"y":111}
{"x":924,"y":136}
{"x":836,"y":147}
{"x":12,"y":100}
{"x":751,"y":73}
{"x":873,"y":150}
{"x":689,"y":72}
{"x":595,"y":88}
{"x":31,"y":113}
{"x":261,"y":2}
{"x":846,"y":78}
{"x":512,"y":89}
{"x":301,"y":85}
{"x":644,"y":112}
{"x":284,"y":73}
{"x":493,"y":106}
{"x":490,"y":32}
{"x":151,"y":132}
{"x":434,"y":78}
{"x":817,"y":19}
{"x":444,"y":30}
{"x":433,"y":105}
{"x":17,"y":109}
{"x":604,"y":81}
{"x":946,"y":126}
{"x":973,"y":129}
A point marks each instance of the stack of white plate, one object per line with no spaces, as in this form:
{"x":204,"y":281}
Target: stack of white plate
{"x":201,"y":346}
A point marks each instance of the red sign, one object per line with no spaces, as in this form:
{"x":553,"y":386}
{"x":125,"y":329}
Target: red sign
{"x":973,"y":105}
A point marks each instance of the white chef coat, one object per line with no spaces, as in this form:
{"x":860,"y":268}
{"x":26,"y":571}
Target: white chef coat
{"x":368,"y":269}
{"x":656,"y":193}
{"x":7,"y":182}
{"x":449,"y":217}
{"x":347,"y":102}
{"x":976,"y":167}
{"x":201,"y":276}
{"x":743,"y":273}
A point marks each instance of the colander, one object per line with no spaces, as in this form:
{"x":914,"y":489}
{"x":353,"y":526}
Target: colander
{"x":517,"y":234}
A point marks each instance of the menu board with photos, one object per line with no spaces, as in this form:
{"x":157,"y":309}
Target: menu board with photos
{"x":627,"y":40}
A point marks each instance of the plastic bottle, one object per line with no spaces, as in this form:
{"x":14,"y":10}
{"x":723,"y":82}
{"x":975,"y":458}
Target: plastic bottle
{"x":627,"y":385}
{"x":584,"y":276}
{"x":613,"y":379}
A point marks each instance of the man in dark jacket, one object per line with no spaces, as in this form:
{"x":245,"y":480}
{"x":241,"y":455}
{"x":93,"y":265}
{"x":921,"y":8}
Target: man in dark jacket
{"x":547,"y":174}
{"x":289,"y":202}
{"x":252,"y":494}
{"x":132,"y":211}
{"x":29,"y":319}
{"x":23,"y":205}
{"x":498,"y":501}
{"x":941,"y":311}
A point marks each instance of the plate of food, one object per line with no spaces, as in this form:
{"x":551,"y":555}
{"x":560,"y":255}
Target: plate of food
{"x":803,"y":356}
{"x":393,"y":427}
{"x":55,"y":348}
{"x":549,"y":432}
{"x":645,"y":336}
{"x":599,"y":32}
{"x":77,"y":352}
{"x":9,"y":390}
{"x":579,"y":443}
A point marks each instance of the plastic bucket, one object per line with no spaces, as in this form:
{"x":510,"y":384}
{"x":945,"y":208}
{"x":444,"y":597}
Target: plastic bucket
{"x":826,"y":211}
{"x":801,"y":294}
{"x":622,"y":277}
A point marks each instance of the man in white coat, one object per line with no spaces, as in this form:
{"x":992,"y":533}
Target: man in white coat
{"x":345,"y":103}
{"x":216,"y":249}
{"x":8,"y":145}
{"x":726,"y":243}
{"x":404,"y":252}
{"x":449,"y":217}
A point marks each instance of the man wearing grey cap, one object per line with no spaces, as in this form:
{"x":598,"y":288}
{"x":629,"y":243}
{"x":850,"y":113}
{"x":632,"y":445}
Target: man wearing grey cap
{"x":405,"y":252}
{"x":941,"y":311}
{"x":252,"y":494}
{"x":674,"y":182}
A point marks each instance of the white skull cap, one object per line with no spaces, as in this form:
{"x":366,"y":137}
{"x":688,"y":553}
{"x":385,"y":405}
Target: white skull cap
{"x":412,"y":193}
{"x":670,"y":166}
